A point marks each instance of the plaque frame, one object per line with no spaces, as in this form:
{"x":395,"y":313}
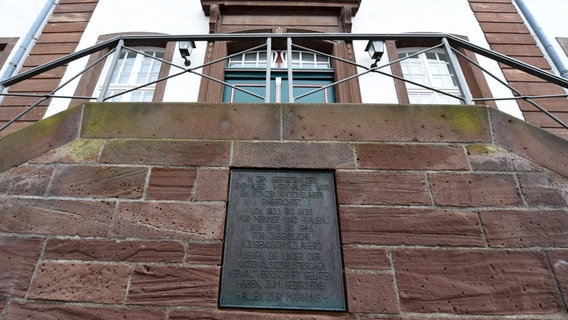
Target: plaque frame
{"x":282,"y":245}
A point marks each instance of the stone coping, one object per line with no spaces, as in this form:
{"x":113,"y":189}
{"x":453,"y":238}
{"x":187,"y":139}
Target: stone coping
{"x":287,"y":122}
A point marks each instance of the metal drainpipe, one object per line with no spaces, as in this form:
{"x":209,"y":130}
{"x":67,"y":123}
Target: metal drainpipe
{"x":543,"y":38}
{"x":28,"y":41}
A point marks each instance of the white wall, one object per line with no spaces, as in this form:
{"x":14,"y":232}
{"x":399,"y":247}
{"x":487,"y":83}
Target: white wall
{"x":443,"y":16}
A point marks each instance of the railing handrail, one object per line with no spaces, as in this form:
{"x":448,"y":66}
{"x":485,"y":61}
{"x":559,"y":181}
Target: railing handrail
{"x":132,"y":39}
{"x":449,"y":41}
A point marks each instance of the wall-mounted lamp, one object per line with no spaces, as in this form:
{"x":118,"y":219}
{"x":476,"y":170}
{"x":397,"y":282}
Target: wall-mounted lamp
{"x":185,"y":48}
{"x":375,"y":48}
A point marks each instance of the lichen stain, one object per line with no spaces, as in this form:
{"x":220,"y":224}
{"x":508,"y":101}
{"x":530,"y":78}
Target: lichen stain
{"x":463,"y":120}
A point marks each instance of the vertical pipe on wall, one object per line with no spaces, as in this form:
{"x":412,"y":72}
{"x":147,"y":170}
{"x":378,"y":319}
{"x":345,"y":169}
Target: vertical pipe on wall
{"x":28,"y":41}
{"x":543,"y":38}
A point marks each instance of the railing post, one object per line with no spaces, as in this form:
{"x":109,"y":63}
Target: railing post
{"x":112,"y":66}
{"x":455,"y":65}
{"x":290,"y":77}
{"x":268,"y":68}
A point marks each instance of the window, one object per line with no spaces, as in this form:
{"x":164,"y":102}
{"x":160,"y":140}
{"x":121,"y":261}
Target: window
{"x":247,"y":71}
{"x":431,"y":69}
{"x":132,"y":70}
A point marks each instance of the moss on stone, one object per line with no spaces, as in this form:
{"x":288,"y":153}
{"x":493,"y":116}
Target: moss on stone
{"x":483,"y":149}
{"x":467,"y":120}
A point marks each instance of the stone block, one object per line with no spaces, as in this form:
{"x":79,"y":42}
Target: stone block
{"x":371,"y":293}
{"x":170,"y":220}
{"x":78,"y":151}
{"x":29,"y":180}
{"x":80,"y":282}
{"x":544,"y":189}
{"x":114,"y":250}
{"x":492,"y":158}
{"x":537,"y":145}
{"x":37,"y":311}
{"x":525,"y":228}
{"x":56,"y":217}
{"x":393,"y":226}
{"x":99,"y":182}
{"x":397,"y":123}
{"x":219,"y":314}
{"x":212,"y":185}
{"x":171,"y":184}
{"x":174,"y":286}
{"x":559,"y":262}
{"x":475,"y":282}
{"x":387,"y":188}
{"x":363,"y":258}
{"x":205,"y":253}
{"x":166,"y":153}
{"x":411,"y":157}
{"x":181,"y":121}
{"x":294,"y":155}
{"x":474,"y":190}
{"x":38,"y":138}
{"x":19,"y":257}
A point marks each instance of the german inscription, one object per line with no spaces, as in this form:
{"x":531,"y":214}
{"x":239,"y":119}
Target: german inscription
{"x":282,"y":247}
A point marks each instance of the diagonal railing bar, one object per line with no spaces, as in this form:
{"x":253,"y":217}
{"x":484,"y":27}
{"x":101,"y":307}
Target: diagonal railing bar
{"x":51,"y":94}
{"x":227,"y":84}
{"x":515,"y":91}
{"x":544,"y":96}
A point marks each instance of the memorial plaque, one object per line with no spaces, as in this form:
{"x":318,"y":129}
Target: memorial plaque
{"x":282,"y":248}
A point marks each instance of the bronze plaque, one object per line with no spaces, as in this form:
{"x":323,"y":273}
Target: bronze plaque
{"x":282,"y":248}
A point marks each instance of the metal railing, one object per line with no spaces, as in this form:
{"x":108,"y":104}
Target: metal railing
{"x":450,"y":43}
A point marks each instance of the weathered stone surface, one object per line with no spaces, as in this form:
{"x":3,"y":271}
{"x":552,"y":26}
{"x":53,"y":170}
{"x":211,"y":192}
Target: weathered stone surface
{"x":99,"y":182}
{"x":212,"y":185}
{"x":78,"y":151}
{"x":544,"y":148}
{"x":392,"y":226}
{"x":559,"y":263}
{"x":19,"y":258}
{"x":39,"y":138}
{"x":474,"y":190}
{"x":381,"y":188}
{"x":109,"y":250}
{"x":174,"y":286}
{"x":56,"y":217}
{"x":544,"y":189}
{"x":36,"y":311}
{"x":491,"y":158}
{"x":522,"y":228}
{"x":181,"y":121}
{"x":171,"y":184}
{"x":217,"y":314}
{"x":170,"y":220}
{"x":411,"y":157}
{"x":205,"y":253}
{"x":366,"y":258}
{"x":371,"y":292}
{"x":80,"y":282}
{"x":29,"y":180}
{"x":293,"y":155}
{"x":474,"y":282}
{"x":385,"y":123}
{"x":166,"y":152}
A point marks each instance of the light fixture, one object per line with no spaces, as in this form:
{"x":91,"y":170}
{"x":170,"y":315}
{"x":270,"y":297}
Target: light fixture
{"x":185,"y":48}
{"x":375,"y":48}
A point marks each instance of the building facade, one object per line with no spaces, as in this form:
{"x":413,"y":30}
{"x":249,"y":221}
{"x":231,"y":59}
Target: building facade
{"x":126,"y":122}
